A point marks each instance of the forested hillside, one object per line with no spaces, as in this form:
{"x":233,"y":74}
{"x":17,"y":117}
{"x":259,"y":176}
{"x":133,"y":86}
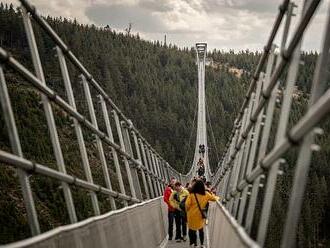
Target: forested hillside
{"x":155,"y":86}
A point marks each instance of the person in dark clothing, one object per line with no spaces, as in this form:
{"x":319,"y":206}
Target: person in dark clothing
{"x":177,"y":196}
{"x":203,"y":149}
{"x":195,"y":208}
{"x":208,"y":187}
{"x":193,"y":236}
{"x":201,"y":170}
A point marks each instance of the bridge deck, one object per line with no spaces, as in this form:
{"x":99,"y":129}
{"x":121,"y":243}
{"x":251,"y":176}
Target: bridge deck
{"x":174,"y":244}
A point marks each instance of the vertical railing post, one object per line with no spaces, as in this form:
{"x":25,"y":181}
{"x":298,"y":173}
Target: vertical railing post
{"x":138,"y":152}
{"x":17,"y":150}
{"x":229,"y":175}
{"x":133,"y":167}
{"x":155,"y":162}
{"x":97,"y":139}
{"x":160,"y":181}
{"x":113,"y":150}
{"x":224,"y":176}
{"x":168,"y":172}
{"x":239,"y":162}
{"x":233,"y":171}
{"x":220,"y":176}
{"x":244,"y":193}
{"x":77,"y":127}
{"x":163,"y":170}
{"x":256,"y":127}
{"x":49,"y":114}
{"x":122,"y":145}
{"x":226,"y":186}
{"x":152,"y":169}
{"x":166,"y":177}
{"x":148,"y":171}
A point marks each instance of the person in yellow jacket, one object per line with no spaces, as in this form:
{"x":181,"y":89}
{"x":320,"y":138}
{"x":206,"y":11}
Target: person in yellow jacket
{"x":195,"y":208}
{"x":177,"y":196}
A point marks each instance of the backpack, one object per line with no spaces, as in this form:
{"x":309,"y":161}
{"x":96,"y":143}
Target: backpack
{"x":182,"y":204}
{"x":201,"y":171}
{"x":176,"y":197}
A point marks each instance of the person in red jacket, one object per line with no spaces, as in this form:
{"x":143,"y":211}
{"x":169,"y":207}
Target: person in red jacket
{"x":167,"y":193}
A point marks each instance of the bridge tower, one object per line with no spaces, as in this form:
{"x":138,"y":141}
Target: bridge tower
{"x":201,"y":136}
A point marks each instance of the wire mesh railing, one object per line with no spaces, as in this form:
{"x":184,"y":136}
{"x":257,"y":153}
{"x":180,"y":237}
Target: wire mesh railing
{"x":268,"y":133}
{"x":140,"y":171}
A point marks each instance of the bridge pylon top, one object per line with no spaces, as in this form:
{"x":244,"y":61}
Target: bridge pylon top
{"x":201,"y":48}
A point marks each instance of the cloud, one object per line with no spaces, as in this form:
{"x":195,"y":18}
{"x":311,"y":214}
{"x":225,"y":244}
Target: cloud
{"x":224,"y":24}
{"x":255,"y":6}
{"x":158,"y":6}
{"x":65,"y":8}
{"x":118,"y":17}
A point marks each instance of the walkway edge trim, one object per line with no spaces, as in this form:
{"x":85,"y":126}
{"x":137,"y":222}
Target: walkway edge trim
{"x":238,"y":229}
{"x":70,"y":227}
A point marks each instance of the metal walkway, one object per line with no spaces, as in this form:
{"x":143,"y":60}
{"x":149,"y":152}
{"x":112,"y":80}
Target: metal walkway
{"x":183,"y":244}
{"x":173,"y":244}
{"x":250,"y":162}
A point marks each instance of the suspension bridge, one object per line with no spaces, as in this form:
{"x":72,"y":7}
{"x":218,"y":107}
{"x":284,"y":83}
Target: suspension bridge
{"x":246,"y":174}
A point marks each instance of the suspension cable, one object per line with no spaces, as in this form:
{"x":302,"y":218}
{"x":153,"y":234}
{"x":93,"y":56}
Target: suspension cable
{"x":191,"y":133}
{"x":212,"y":133}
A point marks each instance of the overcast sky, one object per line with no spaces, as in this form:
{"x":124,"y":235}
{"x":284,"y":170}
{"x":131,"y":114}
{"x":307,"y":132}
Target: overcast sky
{"x":223,"y":24}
